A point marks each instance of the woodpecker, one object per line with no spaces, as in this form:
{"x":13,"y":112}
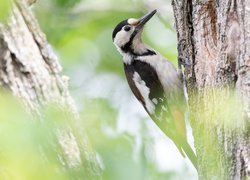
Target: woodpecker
{"x":154,"y":81}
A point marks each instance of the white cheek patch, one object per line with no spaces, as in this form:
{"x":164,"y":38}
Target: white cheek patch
{"x":144,"y":90}
{"x":121,"y":38}
{"x":133,"y":21}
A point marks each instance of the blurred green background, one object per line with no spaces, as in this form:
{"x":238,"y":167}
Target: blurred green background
{"x":128,"y":144}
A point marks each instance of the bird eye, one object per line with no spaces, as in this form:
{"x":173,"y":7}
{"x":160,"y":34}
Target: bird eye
{"x":127,"y":28}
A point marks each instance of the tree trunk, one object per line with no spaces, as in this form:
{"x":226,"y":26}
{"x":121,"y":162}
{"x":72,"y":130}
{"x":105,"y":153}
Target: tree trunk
{"x":30,"y":69}
{"x":214,"y":40}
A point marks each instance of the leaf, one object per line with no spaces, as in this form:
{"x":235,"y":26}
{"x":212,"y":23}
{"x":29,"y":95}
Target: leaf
{"x":4,"y":9}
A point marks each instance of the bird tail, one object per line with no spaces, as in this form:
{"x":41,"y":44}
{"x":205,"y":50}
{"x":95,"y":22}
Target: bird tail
{"x":185,"y":149}
{"x":180,"y":138}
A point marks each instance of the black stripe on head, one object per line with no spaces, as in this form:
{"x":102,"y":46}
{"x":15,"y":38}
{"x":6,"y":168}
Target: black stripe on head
{"x":119,"y":27}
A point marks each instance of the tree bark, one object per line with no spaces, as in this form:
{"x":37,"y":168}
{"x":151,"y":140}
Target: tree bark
{"x":30,"y":69}
{"x":214,"y":40}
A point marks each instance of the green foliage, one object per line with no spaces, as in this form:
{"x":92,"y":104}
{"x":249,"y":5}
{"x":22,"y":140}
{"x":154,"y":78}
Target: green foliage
{"x":21,"y":140}
{"x":217,"y":116}
{"x":4,"y":9}
{"x":30,"y":148}
{"x":66,"y":3}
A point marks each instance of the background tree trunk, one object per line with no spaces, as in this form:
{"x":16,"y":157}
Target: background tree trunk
{"x":214,"y":39}
{"x":30,"y":69}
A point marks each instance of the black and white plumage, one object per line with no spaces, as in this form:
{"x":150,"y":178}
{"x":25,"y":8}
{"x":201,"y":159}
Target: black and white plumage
{"x":154,"y":81}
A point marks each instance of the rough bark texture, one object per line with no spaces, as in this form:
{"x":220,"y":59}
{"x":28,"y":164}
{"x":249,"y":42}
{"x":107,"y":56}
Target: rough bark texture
{"x":30,"y":69}
{"x":214,"y":41}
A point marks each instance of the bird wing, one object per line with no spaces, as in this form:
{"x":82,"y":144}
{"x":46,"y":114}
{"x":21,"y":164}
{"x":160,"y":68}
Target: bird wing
{"x":145,"y":84}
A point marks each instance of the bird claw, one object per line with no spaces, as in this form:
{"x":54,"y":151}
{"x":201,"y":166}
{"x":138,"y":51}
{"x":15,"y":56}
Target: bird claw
{"x":180,"y":73}
{"x":183,"y":61}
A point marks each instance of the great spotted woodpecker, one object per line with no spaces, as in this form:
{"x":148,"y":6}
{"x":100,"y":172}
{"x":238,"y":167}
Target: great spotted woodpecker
{"x":154,"y":81}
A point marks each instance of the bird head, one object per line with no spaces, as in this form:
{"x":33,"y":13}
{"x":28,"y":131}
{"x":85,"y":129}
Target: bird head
{"x":127,"y":34}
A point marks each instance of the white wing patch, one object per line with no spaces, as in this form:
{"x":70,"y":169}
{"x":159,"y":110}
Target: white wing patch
{"x":144,"y":90}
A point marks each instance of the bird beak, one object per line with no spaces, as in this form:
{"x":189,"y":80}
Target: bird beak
{"x":144,"y":19}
